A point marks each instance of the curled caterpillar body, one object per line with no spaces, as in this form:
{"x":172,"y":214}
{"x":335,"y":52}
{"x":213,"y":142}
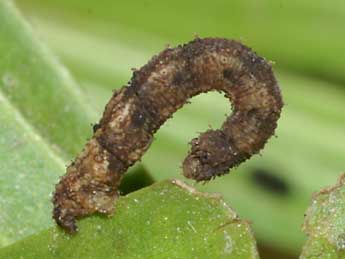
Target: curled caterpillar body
{"x":156,"y":91}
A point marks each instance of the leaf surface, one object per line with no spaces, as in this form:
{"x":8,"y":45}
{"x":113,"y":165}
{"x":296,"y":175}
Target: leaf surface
{"x":44,"y":121}
{"x":166,"y":220}
{"x":325,"y":223}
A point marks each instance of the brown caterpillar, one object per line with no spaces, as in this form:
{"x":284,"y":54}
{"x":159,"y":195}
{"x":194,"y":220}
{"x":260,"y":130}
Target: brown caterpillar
{"x":155,"y":92}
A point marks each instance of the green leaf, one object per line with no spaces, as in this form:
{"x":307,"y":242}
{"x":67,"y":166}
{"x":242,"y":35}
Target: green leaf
{"x":40,"y":88}
{"x":44,"y":121}
{"x":28,"y":169}
{"x":167,"y":220}
{"x":325,"y":223}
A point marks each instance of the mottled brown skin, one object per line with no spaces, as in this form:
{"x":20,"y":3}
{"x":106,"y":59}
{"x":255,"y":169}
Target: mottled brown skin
{"x":156,"y":91}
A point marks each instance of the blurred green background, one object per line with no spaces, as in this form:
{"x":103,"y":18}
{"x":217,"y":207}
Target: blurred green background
{"x":100,"y":41}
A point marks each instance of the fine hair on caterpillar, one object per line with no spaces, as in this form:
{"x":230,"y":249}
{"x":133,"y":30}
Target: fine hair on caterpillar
{"x":162,"y":86}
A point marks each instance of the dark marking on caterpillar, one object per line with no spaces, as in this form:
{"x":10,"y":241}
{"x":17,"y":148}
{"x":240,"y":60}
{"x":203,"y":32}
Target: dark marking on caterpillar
{"x":270,"y":182}
{"x":155,"y":92}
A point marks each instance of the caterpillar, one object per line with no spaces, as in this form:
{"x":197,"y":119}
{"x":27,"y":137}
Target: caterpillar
{"x":155,"y":92}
